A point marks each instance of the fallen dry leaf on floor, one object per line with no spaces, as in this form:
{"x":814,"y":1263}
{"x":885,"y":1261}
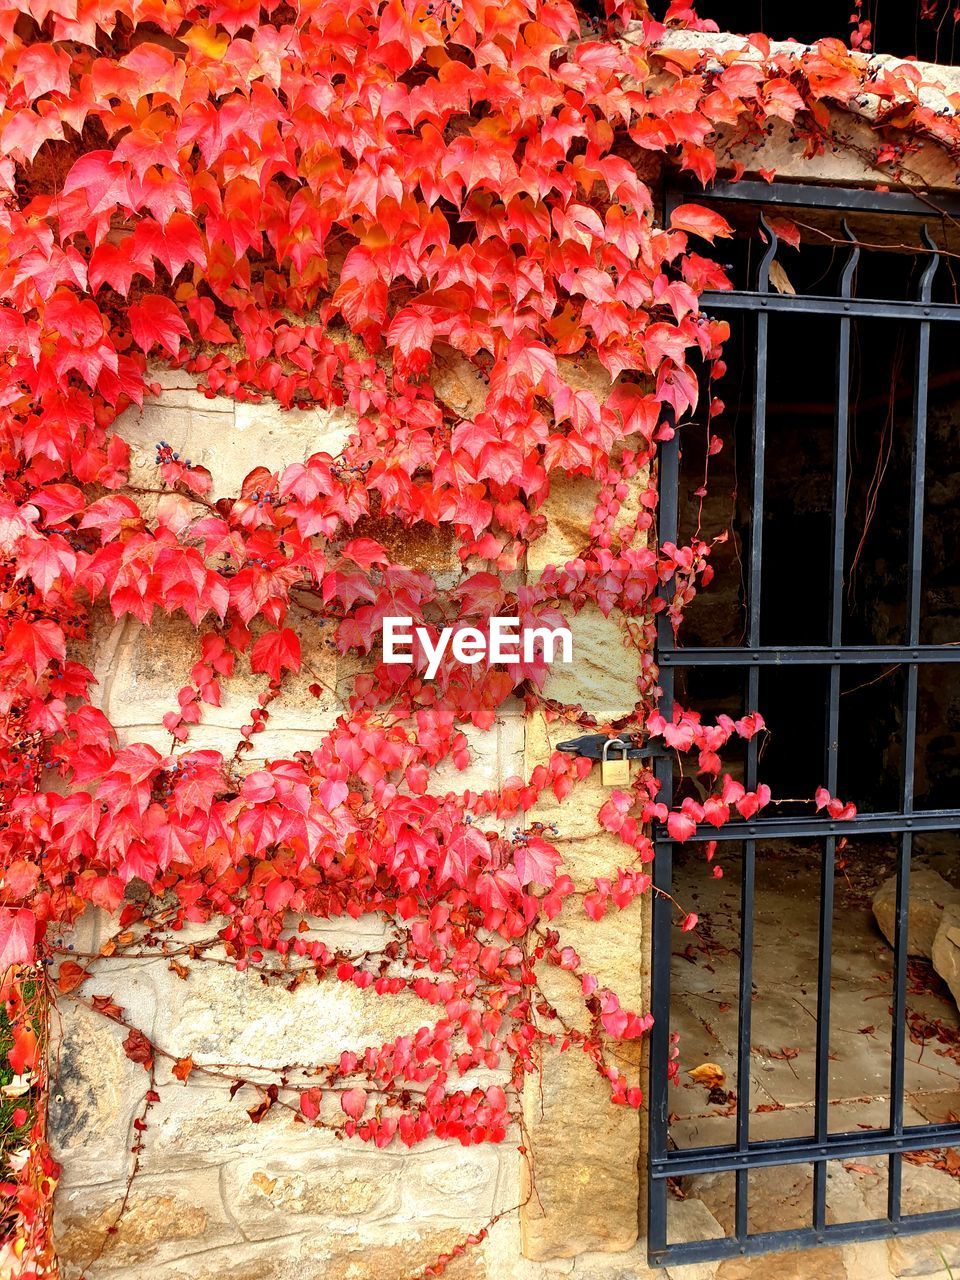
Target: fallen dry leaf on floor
{"x":708,"y":1074}
{"x":783,"y":1054}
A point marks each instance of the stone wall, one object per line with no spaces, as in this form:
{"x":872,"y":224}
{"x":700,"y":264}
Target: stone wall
{"x":220,"y":1198}
{"x":217,"y":1195}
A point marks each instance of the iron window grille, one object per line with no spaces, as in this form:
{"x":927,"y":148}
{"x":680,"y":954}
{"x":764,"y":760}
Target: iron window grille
{"x":745,"y":1154}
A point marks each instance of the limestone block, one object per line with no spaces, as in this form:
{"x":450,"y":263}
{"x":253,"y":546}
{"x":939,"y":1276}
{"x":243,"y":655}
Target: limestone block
{"x":95,"y":1091}
{"x":585,"y":1150}
{"x":321,"y":1256}
{"x":840,"y":163}
{"x":810,"y":1264}
{"x":929,"y":894}
{"x":198,"y":433}
{"x":269,"y":1260}
{"x":196,"y":1125}
{"x":588,"y":850}
{"x":400,"y":1258}
{"x":688,"y":1221}
{"x":83,"y":935}
{"x":585,"y":1154}
{"x":609,"y":949}
{"x":163,"y":1219}
{"x":602,"y":677}
{"x":926,"y":1255}
{"x":452,"y":1182}
{"x":228,"y":439}
{"x":631,"y":1265}
{"x":845,"y":161}
{"x":282,"y":1194}
{"x":460,"y":385}
{"x":141,"y":669}
{"x":946,"y":950}
{"x":568,"y":511}
{"x":424,"y":547}
{"x":220,"y":1015}
{"x":274,"y":437}
{"x":495,"y":754}
{"x":865,"y":1260}
{"x":181,"y":390}
{"x":133,"y":985}
{"x":569,"y":507}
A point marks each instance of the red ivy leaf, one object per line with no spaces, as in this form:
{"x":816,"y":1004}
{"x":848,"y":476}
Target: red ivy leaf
{"x":354,"y":1102}
{"x":35,"y":643}
{"x":702,"y":222}
{"x":18,"y":931}
{"x":156,"y":321}
{"x":71,"y":975}
{"x":138,"y":1048}
{"x":107,"y":1006}
{"x":182,"y":1068}
{"x":310,"y":1103}
{"x":276,"y":652}
{"x":680,"y":826}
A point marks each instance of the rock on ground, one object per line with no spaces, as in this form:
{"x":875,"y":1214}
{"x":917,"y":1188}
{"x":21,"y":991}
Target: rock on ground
{"x":929,"y":895}
{"x":946,"y":950}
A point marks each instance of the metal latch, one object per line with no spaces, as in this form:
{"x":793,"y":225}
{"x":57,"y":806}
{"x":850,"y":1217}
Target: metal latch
{"x":592,"y":746}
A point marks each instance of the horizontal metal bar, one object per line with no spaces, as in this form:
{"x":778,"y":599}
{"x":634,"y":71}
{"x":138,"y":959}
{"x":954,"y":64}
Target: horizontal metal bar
{"x":819,"y":196}
{"x":827,"y":655}
{"x":863,"y":824}
{"x":776,"y":1151}
{"x":812,"y":304}
{"x":801,"y":1238}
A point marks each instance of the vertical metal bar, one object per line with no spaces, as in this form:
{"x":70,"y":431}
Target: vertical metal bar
{"x":835,"y":629}
{"x":918,"y":466}
{"x":747,"y":895}
{"x":669,"y":484}
{"x":748,"y":882}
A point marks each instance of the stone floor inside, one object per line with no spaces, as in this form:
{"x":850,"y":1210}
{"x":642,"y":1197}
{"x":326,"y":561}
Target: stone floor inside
{"x":705,"y":976}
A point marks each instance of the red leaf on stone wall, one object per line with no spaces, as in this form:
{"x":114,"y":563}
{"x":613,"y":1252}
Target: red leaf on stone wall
{"x":18,"y":931}
{"x":276,"y":652}
{"x":156,"y":322}
{"x":138,"y":1048}
{"x":71,"y":975}
{"x":353,"y":1102}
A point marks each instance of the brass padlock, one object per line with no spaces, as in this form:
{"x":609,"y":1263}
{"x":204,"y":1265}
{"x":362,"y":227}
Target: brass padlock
{"x":616,"y":772}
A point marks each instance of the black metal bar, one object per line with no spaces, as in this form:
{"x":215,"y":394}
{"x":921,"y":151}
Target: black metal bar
{"x":766,"y":262}
{"x":662,"y":923}
{"x":825,"y":945}
{"x":918,"y":468}
{"x":813,"y":304}
{"x":811,"y":655}
{"x":835,"y":1146}
{"x":748,"y":867}
{"x":800,"y":1238}
{"x":744,"y":1028}
{"x":862,"y":824}
{"x":818,"y":196}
